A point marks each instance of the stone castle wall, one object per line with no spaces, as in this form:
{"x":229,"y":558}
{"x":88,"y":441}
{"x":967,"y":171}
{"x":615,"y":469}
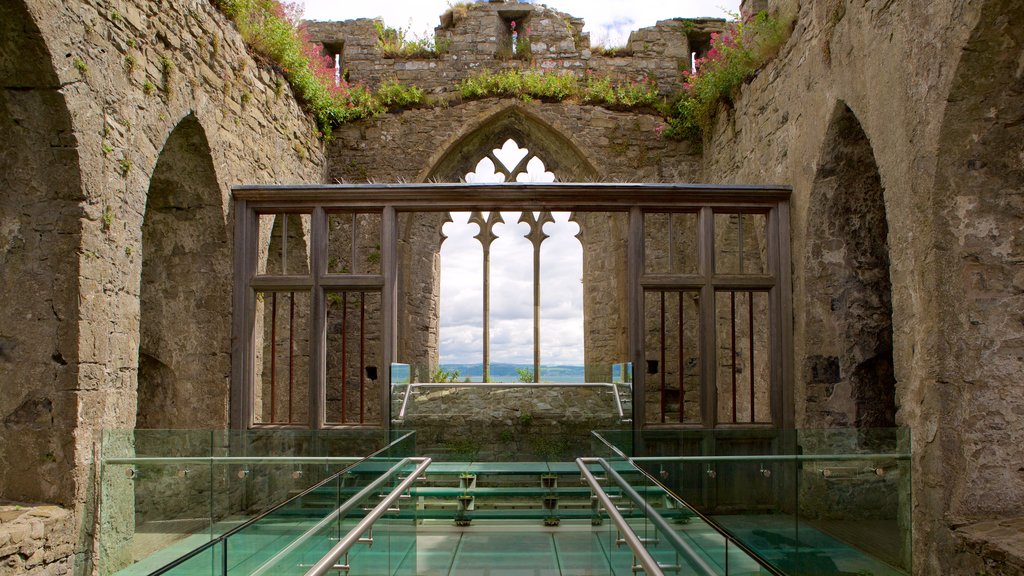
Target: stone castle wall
{"x":938,"y":141}
{"x":479,"y":37}
{"x":91,"y":92}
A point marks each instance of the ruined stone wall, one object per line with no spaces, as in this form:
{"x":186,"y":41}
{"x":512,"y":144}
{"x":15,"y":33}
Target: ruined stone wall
{"x":517,"y":423}
{"x":91,"y":92}
{"x":576,"y":143}
{"x":479,"y":37}
{"x":895,"y":66}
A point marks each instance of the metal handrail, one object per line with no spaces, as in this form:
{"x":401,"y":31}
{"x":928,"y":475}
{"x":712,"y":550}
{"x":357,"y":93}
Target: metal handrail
{"x":647,"y":562}
{"x":662,"y":525}
{"x":234,"y":460}
{"x":340,"y":512}
{"x":773,"y":458}
{"x":330,"y":560}
{"x":219,"y":541}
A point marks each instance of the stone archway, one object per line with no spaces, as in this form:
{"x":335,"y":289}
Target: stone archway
{"x":185,"y":292}
{"x":978,"y":191}
{"x":848,"y":373}
{"x":419,"y":247}
{"x":560,"y":154}
{"x":40,"y":235}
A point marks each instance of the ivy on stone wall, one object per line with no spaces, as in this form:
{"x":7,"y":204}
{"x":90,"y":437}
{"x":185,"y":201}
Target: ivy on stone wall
{"x":735,"y":57}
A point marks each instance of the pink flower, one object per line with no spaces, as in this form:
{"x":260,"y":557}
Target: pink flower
{"x":513,"y":24}
{"x":659,"y":129}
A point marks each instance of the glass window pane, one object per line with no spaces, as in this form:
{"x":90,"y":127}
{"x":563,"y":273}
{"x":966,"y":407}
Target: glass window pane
{"x":741,"y":243}
{"x":283,"y":244}
{"x":671,"y":320}
{"x":670,"y":243}
{"x":354,"y":357}
{"x":282,"y":358}
{"x":743,"y":376}
{"x":353,"y":243}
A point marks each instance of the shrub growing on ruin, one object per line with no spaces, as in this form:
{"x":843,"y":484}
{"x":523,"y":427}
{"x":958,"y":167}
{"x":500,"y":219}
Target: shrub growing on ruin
{"x":736,"y":55}
{"x":400,"y":43}
{"x":557,"y":87}
{"x":272,"y":30}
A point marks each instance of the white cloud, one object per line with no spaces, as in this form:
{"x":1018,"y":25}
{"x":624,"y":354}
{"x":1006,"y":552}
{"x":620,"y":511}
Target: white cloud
{"x":608,"y":21}
{"x":511,"y":293}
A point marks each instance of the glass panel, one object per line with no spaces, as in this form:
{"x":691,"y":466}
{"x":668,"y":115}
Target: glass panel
{"x":284,"y":244}
{"x":354,"y":356}
{"x":741,"y":243}
{"x":809,"y":501}
{"x":282,"y":358}
{"x":671,"y":320}
{"x":743,"y":377}
{"x":207,"y":562}
{"x":670,"y":243}
{"x":353,"y":243}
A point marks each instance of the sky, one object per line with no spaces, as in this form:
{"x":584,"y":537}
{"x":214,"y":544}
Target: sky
{"x":512,"y":293}
{"x":608,"y":21}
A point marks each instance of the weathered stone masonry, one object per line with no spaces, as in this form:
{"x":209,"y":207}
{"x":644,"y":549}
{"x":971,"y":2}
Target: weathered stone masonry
{"x":92,"y":91}
{"x":127,"y":121}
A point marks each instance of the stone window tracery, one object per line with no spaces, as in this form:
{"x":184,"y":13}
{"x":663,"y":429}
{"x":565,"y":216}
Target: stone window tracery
{"x":510,"y":163}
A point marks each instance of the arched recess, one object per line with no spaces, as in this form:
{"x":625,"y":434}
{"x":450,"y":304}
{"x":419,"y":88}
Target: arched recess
{"x":420,"y":240}
{"x":848,"y":372}
{"x":559,"y":153}
{"x":979,"y":191}
{"x":185,"y":292}
{"x":40,"y":236}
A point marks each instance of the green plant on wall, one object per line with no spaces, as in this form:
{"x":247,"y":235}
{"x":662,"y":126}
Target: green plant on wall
{"x":735,"y":56}
{"x":401,"y":43}
{"x":440,"y":374}
{"x":524,"y":375}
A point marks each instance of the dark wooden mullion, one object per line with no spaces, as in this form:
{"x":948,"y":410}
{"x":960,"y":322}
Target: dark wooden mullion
{"x":318,"y":326}
{"x":635,"y":295}
{"x":707,"y":325}
{"x":243,"y":301}
{"x":389,"y":307}
{"x":780,"y":317}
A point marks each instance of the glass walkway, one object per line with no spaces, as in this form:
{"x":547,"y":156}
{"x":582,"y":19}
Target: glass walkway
{"x":218,"y":503}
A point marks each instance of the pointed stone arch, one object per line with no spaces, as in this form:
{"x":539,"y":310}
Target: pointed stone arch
{"x":185,"y":289}
{"x":980,"y":208}
{"x":848,"y":374}
{"x":40,"y":238}
{"x":559,"y":153}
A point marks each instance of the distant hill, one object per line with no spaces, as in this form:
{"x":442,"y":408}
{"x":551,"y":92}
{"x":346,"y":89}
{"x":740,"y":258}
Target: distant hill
{"x":501,"y":372}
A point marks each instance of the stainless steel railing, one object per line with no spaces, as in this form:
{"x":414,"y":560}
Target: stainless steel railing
{"x":681,"y":546}
{"x":355,"y":536}
{"x":647,"y":563}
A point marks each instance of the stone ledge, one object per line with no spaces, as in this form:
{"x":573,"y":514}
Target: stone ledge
{"x":998,"y":543}
{"x":35,"y":539}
